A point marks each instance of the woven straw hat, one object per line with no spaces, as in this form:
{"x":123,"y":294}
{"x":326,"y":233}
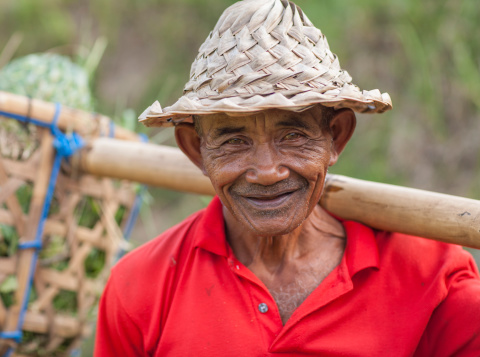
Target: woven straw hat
{"x":265,"y":54}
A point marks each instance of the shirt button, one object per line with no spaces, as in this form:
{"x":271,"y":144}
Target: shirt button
{"x":263,"y":308}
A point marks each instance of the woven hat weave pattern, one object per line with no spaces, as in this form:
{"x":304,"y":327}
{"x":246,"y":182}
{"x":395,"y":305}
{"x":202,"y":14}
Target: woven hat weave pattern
{"x":265,"y":54}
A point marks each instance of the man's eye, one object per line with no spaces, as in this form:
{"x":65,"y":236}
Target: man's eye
{"x":291,"y":136}
{"x":235,"y":141}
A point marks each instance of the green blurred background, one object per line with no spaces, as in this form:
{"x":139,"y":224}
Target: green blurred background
{"x":426,"y":54}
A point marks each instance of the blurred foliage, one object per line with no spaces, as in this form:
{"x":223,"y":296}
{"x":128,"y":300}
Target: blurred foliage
{"x":426,"y":54}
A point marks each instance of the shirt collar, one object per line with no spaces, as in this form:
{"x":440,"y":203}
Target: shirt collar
{"x":361,"y":251}
{"x":211,"y":230}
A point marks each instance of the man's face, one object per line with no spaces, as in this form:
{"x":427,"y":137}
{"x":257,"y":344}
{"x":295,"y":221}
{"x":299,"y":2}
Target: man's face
{"x":268,"y":169}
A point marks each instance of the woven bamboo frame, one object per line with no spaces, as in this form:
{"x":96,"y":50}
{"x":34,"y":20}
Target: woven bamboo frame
{"x":49,"y":331}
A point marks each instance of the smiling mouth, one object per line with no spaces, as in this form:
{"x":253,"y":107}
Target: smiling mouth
{"x":269,"y":201}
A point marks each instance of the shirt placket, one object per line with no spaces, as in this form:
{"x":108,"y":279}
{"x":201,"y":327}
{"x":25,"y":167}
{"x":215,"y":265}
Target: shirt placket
{"x":262,"y":303}
{"x":335,"y":285}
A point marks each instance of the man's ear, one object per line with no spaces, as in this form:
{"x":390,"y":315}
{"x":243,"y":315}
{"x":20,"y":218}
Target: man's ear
{"x":342,"y":126}
{"x":189,"y":142}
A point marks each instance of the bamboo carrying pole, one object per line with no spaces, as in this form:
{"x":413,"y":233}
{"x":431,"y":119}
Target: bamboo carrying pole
{"x":146,"y":163}
{"x":432,"y":215}
{"x":84,"y":123}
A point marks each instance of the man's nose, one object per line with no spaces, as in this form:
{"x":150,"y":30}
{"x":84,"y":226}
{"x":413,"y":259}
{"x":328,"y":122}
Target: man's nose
{"x":265,"y":167}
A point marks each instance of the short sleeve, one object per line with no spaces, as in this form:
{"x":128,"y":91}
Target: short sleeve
{"x":454,"y":328}
{"x":116,"y":334}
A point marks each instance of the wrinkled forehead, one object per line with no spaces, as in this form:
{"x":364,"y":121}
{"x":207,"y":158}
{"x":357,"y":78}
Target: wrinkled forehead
{"x":267,"y":118}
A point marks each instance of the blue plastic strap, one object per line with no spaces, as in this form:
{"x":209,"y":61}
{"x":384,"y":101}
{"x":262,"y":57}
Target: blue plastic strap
{"x":138,"y":200}
{"x":67,"y":145}
{"x":143,"y":138}
{"x":11,"y":335}
{"x":25,"y":119}
{"x":111,"y":133}
{"x":132,"y":218}
{"x":76,"y":353}
{"x":32,"y":244}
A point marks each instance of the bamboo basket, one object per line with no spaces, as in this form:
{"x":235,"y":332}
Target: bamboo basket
{"x":55,"y":287}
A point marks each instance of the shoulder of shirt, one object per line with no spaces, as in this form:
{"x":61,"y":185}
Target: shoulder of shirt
{"x":424,"y":256}
{"x":404,"y":244}
{"x":142,"y":283}
{"x":161,"y":252}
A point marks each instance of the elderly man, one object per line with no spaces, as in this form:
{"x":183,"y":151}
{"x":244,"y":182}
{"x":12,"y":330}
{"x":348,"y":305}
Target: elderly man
{"x":264,"y":270}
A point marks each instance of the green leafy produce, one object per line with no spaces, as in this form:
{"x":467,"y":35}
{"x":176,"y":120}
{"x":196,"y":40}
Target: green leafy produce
{"x":54,"y":253}
{"x":7,"y":290}
{"x":8,"y":240}
{"x":94,"y":263}
{"x":24,"y":194}
{"x":66,"y":301}
{"x":120,"y":214}
{"x":87,"y":212}
{"x":49,"y":77}
{"x":33,"y":345}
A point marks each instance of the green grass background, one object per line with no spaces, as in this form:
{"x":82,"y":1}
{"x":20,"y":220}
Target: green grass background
{"x":426,"y":54}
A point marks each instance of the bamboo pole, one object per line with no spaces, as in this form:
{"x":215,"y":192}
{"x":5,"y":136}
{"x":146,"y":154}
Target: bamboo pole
{"x":427,"y":214}
{"x":84,"y":123}
{"x":442,"y":217}
{"x":150,"y":164}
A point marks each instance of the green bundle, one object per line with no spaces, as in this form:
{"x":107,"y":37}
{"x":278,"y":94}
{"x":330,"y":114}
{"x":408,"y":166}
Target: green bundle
{"x":50,"y":77}
{"x":47,"y":76}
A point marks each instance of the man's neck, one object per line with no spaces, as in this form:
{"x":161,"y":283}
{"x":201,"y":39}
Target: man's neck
{"x":274,"y":253}
{"x":291,"y":266}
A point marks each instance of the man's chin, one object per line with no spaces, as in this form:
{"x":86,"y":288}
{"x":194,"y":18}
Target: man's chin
{"x":272,"y":226}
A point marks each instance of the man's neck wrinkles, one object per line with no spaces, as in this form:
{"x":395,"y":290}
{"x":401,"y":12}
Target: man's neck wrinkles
{"x":276,"y":252}
{"x":271,"y":252}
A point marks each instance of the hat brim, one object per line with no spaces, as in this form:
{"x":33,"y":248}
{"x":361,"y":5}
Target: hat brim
{"x":349,"y":96}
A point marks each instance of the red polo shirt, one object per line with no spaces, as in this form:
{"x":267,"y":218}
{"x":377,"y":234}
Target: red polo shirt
{"x":185,"y":294}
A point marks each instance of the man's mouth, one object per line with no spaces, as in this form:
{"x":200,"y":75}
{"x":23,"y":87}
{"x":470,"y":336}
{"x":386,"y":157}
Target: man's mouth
{"x":266,"y":201}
